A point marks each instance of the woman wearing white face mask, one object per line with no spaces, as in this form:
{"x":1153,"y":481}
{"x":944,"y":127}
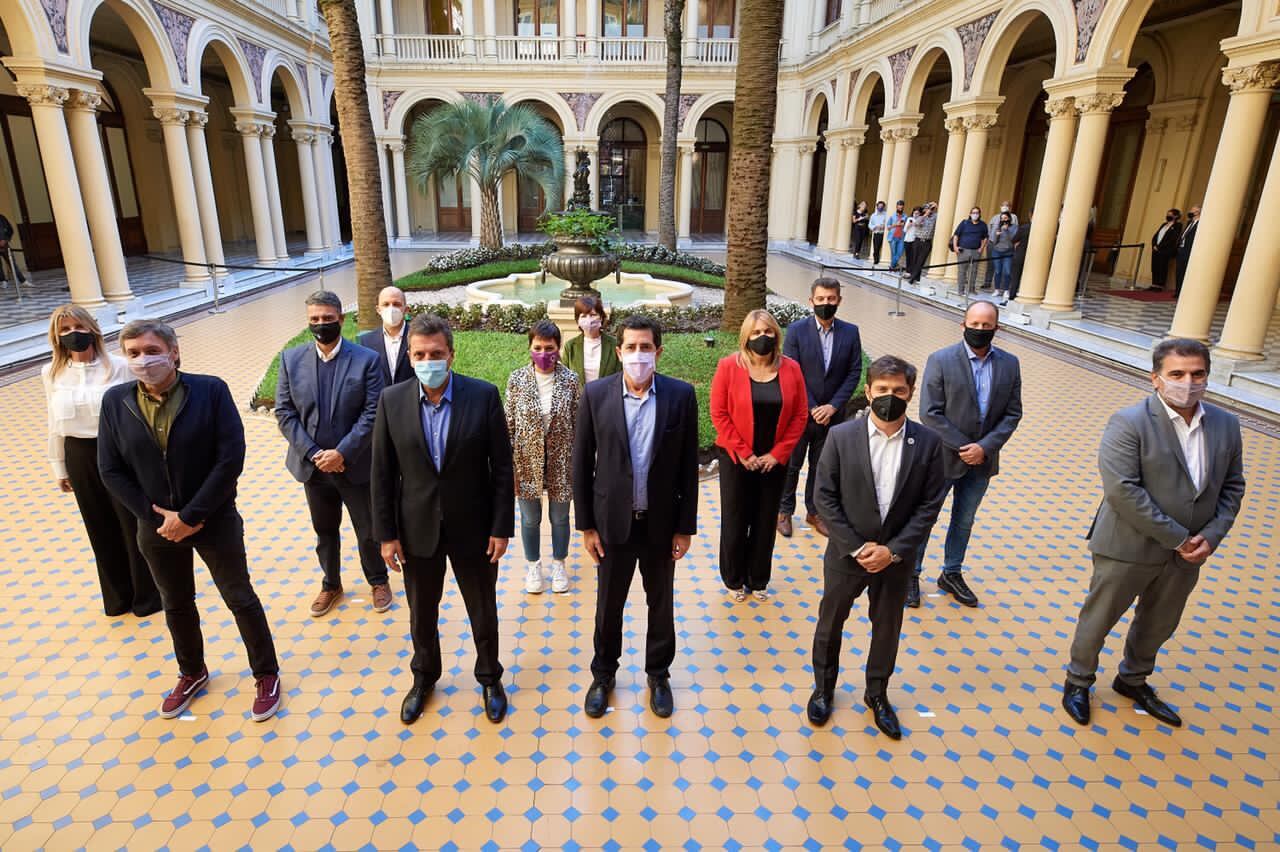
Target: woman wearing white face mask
{"x":592,"y":354}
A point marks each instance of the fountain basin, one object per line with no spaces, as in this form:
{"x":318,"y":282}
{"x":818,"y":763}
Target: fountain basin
{"x":526,"y":289}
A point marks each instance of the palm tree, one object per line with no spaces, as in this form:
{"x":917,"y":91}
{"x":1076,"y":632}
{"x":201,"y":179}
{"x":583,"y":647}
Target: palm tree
{"x":755,"y":98}
{"x":673,"y":12}
{"x":368,"y":227}
{"x":484,"y":141}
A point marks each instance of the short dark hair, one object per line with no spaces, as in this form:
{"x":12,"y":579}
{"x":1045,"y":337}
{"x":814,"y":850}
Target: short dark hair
{"x":590,"y":305}
{"x":1177,"y":214}
{"x":891,"y":365}
{"x":544,"y":329}
{"x":1184,"y":346}
{"x":429,"y":325}
{"x":327,"y":298}
{"x":640,"y":322}
{"x":826,"y":282}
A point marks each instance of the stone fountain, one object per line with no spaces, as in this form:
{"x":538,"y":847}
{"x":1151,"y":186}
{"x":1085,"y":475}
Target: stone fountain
{"x":576,"y":259}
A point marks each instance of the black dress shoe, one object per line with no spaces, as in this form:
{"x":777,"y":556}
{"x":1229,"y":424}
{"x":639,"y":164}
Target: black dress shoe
{"x":954,"y":585}
{"x":886,"y":718}
{"x":913,"y":592}
{"x":1145,"y":697}
{"x":1075,"y":700}
{"x":819,"y":709}
{"x":414,"y":703}
{"x":597,"y":701}
{"x":495,"y":702}
{"x":661,"y":701}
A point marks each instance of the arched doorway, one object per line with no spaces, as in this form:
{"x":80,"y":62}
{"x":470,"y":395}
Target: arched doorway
{"x":622,"y":162}
{"x":24,"y":194}
{"x":115,"y":149}
{"x":443,"y":205}
{"x":816,"y":181}
{"x":531,"y":201}
{"x":710,"y":177}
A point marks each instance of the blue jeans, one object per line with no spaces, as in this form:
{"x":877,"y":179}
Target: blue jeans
{"x":896,"y":245}
{"x":1004,"y":269}
{"x":531,"y":529}
{"x":967,"y":492}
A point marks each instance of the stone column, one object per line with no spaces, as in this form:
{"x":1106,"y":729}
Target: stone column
{"x":1251,"y":89}
{"x":976,"y":128}
{"x":173,"y":124}
{"x":686,"y":193}
{"x":946,"y":223}
{"x":401,"y":187}
{"x":273,"y":190}
{"x":902,"y":137}
{"x":384,"y":172}
{"x":832,"y":180}
{"x":593,"y":36}
{"x":1048,"y":203}
{"x":95,"y":187}
{"x":203,"y":179}
{"x":851,"y":147}
{"x":569,"y":37}
{"x":251,"y":134}
{"x":469,"y":27}
{"x":387,"y":21}
{"x":64,"y":192}
{"x":490,"y":28}
{"x":327,"y":187}
{"x":801,"y":223}
{"x":1091,"y":137}
{"x":690,"y":32}
{"x":886,"y":170}
{"x":305,"y":139}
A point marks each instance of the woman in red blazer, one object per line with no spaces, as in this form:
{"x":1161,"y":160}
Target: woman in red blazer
{"x":759,"y":408}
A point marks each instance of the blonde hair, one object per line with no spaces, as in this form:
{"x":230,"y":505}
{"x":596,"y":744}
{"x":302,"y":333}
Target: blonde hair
{"x":61,"y":355}
{"x":748,"y":325}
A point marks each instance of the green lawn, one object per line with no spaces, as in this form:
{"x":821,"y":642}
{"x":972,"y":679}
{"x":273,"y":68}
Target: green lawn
{"x":422,"y":280}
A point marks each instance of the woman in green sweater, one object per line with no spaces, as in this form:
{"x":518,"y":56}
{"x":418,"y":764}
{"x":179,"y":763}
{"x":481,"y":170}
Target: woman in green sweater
{"x":592,"y":354}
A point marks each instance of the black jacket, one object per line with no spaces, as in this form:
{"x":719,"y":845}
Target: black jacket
{"x":196,"y":475}
{"x":602,"y":478}
{"x":473,"y":496}
{"x":826,"y":385}
{"x":1169,"y":244}
{"x":404,"y":370}
{"x":6,"y":229}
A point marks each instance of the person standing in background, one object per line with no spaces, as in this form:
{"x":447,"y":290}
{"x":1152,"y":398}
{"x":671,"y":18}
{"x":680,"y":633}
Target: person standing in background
{"x":594,"y":353}
{"x":969,"y":242}
{"x":7,"y":258}
{"x":926,"y":224}
{"x":1021,"y":239}
{"x":1000,"y":249}
{"x":1164,"y":249}
{"x":988,"y":275}
{"x":894,"y":226}
{"x":876,"y":224}
{"x":1186,"y":241}
{"x":861,"y":230}
{"x":389,"y":341}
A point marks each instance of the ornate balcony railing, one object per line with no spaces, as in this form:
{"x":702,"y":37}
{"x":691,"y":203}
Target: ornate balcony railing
{"x":715,"y":51}
{"x":515,"y":50}
{"x":420,"y":48}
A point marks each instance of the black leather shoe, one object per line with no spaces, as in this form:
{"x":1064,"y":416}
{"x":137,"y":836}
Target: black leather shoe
{"x":661,"y":701}
{"x":913,"y":592}
{"x":1145,"y":697}
{"x":954,"y":585}
{"x":886,"y":719}
{"x":597,"y":701}
{"x":495,"y":702}
{"x":414,"y":703}
{"x":1075,"y":700}
{"x":819,"y":709}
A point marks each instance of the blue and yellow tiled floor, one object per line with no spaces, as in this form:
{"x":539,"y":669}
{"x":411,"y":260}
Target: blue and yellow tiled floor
{"x":989,"y":758}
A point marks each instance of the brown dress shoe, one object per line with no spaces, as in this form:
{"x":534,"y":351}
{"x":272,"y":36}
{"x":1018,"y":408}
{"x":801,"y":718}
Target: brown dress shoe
{"x":817,"y":523}
{"x":325,"y":601}
{"x":784,"y":526}
{"x":381,"y":597}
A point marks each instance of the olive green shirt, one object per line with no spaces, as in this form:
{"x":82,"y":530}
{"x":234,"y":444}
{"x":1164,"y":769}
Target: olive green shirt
{"x":159,"y":413}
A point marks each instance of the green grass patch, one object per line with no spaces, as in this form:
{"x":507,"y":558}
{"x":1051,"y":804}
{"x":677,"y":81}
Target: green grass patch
{"x":424,"y":281}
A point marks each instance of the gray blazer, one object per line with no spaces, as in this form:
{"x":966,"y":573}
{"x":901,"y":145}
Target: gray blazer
{"x":949,"y":406}
{"x":1150,"y":505}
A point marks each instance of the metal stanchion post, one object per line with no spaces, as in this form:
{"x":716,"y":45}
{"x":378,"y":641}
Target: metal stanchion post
{"x":1133,"y":279}
{"x":13,"y":267}
{"x":897,"y":302}
{"x":217,"y":307}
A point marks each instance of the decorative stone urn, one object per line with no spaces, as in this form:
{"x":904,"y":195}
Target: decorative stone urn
{"x":577,"y":261}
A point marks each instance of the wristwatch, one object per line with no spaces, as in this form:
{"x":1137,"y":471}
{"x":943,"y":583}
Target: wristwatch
{"x":894,"y":559}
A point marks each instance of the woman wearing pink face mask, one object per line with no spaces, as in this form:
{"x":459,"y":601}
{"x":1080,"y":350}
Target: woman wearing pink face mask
{"x":542,"y":408}
{"x":592,"y":354}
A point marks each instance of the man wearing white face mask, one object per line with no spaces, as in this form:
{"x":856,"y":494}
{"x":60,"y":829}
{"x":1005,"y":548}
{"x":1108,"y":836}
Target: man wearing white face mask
{"x":1172,"y":482}
{"x":390,"y":341}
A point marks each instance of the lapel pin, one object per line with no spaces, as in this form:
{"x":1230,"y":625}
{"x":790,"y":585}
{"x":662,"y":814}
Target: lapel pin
{"x":911,"y":441}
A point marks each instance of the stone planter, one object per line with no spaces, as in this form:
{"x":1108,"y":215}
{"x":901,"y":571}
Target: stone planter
{"x":579,"y":263}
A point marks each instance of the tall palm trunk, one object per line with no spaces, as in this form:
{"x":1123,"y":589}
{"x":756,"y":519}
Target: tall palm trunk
{"x":490,"y":221}
{"x":755,"y":100}
{"x":673,"y":13}
{"x":364,"y":181}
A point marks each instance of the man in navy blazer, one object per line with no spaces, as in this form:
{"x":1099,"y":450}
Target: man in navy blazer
{"x":972,"y":397}
{"x":390,"y":341}
{"x":326,"y":398}
{"x":830,"y":354}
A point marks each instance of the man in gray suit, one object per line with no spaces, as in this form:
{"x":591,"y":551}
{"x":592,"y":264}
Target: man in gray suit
{"x":326,"y":400}
{"x":972,"y":397}
{"x":1172,"y":482}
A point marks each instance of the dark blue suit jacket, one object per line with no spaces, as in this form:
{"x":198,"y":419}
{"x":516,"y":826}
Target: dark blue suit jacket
{"x":831,"y":386}
{"x":372,"y":340}
{"x":357,"y":383}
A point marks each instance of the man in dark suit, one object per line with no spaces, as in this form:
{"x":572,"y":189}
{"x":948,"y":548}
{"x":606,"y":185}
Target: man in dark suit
{"x":326,"y":399}
{"x":390,"y":341}
{"x":635,"y":494}
{"x":1172,"y":483}
{"x":171,"y":449}
{"x":830,"y":354}
{"x":443,"y":488}
{"x":1164,"y":248}
{"x":1186,"y":241}
{"x":880,"y":485}
{"x":972,"y":397}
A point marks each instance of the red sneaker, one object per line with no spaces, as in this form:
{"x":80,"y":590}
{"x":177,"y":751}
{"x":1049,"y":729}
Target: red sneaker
{"x":183,"y":694}
{"x":267,"y":701}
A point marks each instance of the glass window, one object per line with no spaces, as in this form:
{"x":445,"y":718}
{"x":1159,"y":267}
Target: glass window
{"x":444,"y":17}
{"x":537,"y":17}
{"x":715,"y":19}
{"x":833,"y":12}
{"x":623,"y":18}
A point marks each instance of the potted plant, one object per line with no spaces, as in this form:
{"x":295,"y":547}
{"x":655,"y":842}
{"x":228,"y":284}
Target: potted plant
{"x":582,"y":256}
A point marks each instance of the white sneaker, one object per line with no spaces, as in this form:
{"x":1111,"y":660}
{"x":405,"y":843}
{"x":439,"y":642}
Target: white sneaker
{"x":559,"y":578}
{"x":533,"y":583}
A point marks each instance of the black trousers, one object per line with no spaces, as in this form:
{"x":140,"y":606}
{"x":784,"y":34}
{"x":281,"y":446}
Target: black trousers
{"x":423,"y":587}
{"x":887,"y":593}
{"x":613,"y":583}
{"x":113,"y":534}
{"x":10,"y":261}
{"x":1160,"y":268}
{"x":917,"y":255}
{"x":327,"y":493}
{"x":1180,"y":271}
{"x":810,"y":444}
{"x":859,"y":243}
{"x":877,"y":243}
{"x":220,"y":544}
{"x":1015,"y":273}
{"x":749,"y":523}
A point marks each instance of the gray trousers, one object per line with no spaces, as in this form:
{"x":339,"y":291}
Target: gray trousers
{"x":967,"y":279}
{"x":1161,"y":591}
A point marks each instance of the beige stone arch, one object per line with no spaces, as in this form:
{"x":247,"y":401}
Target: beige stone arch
{"x":28,"y":29}
{"x":864,"y":88}
{"x":294,"y":89}
{"x":942,"y":44}
{"x":1008,"y":26}
{"x":147,"y":30}
{"x":820,"y":97}
{"x":1153,"y":50}
{"x":555,"y":103}
{"x":652,"y":110}
{"x":704,"y":104}
{"x":408,"y":100}
{"x":210,"y":36}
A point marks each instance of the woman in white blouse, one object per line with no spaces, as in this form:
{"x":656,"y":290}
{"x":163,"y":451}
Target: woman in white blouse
{"x":74,"y":382}
{"x":594,"y":353}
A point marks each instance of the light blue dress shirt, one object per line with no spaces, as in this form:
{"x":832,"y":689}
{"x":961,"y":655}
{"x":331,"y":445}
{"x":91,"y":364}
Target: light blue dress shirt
{"x":826,"y":337}
{"x":981,"y":378}
{"x":641,"y":413}
{"x":435,"y":422}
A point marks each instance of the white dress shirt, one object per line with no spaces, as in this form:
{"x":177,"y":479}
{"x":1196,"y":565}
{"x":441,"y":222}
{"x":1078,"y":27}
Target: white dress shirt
{"x":1191,"y":437}
{"x":75,"y":398}
{"x":886,"y":462}
{"x":333,"y":353}
{"x":392,"y":345}
{"x":591,"y":357}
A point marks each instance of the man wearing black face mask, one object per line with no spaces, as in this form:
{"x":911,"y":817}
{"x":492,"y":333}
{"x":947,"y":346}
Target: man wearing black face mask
{"x":972,"y":397}
{"x":880,"y":486}
{"x":326,"y":401}
{"x":1164,"y":248}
